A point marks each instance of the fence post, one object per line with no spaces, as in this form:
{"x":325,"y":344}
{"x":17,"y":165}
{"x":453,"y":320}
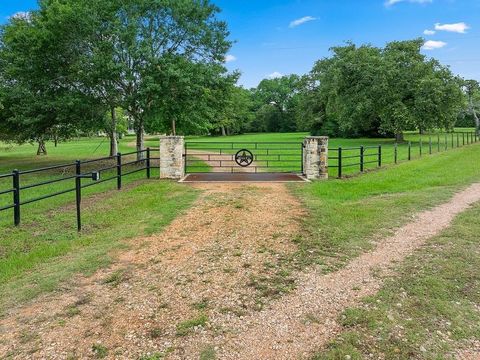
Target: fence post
{"x":453,"y":141}
{"x":463,"y":137}
{"x":16,"y":197}
{"x":119,"y":171}
{"x":438,"y":142}
{"x":339,"y":162}
{"x":409,"y":150}
{"x":395,"y":152}
{"x":78,"y":193}
{"x":430,"y":145}
{"x":362,"y":154}
{"x":446,"y":141}
{"x":421,"y":149}
{"x":379,"y":155}
{"x":148,"y":163}
{"x":458,"y":141}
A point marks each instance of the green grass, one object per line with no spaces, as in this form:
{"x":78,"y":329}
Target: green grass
{"x":420,"y":147}
{"x":425,"y":312}
{"x":186,"y":327}
{"x":346,"y":215}
{"x":24,"y":157}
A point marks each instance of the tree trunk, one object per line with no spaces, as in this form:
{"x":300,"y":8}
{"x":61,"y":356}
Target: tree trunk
{"x":475,"y":116}
{"x":224,"y":133}
{"x":174,"y":127}
{"x":477,"y":120}
{"x":140,"y":140}
{"x":55,"y":138}
{"x":113,"y":133}
{"x":399,"y":137}
{"x":42,"y":149}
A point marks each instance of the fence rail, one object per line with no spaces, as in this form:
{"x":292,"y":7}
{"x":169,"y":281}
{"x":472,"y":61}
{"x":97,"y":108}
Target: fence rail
{"x":341,"y":159}
{"x":80,"y":172}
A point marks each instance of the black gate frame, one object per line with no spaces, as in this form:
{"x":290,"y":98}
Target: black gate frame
{"x":268,"y":157}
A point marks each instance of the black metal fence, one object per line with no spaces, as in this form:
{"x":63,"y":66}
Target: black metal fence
{"x":73,"y":175}
{"x":350,"y":160}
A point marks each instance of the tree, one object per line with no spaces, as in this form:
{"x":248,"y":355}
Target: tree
{"x":343,"y":91}
{"x":148,"y":41}
{"x":36,"y":61}
{"x":275,"y":103}
{"x":116,"y":123}
{"x":472,"y":90}
{"x":235,"y":110}
{"x":418,"y":93}
{"x":367,"y":90}
{"x":193,"y":96}
{"x":157,"y":59}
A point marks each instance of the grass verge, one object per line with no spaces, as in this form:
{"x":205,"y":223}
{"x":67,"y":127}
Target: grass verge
{"x":345,"y":216}
{"x":427,"y":310}
{"x":46,"y":249}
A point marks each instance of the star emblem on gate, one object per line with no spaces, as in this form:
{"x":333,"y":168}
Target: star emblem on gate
{"x":244,"y":158}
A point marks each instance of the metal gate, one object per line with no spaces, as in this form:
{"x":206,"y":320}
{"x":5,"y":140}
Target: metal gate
{"x":243,"y":157}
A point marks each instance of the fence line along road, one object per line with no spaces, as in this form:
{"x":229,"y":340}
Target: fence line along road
{"x":345,"y":159}
{"x":78,"y":168}
{"x":357,"y":159}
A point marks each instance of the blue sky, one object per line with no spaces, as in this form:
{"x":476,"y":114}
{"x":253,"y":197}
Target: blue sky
{"x":276,"y":37}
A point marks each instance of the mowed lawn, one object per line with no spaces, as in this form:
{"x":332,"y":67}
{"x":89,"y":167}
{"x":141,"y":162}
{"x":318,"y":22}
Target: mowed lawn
{"x":344,"y":215}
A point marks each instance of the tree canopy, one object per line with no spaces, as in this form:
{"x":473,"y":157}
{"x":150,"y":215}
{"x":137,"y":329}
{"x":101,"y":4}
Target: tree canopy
{"x":157,"y":59}
{"x":367,"y":90}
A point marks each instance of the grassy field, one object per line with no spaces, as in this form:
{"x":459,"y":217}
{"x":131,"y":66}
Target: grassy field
{"x":344,"y":215}
{"x":419,"y":147}
{"x":29,"y":254}
{"x":428,"y":310}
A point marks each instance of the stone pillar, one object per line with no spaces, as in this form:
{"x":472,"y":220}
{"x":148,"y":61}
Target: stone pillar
{"x":315,"y":157}
{"x":172,"y":161}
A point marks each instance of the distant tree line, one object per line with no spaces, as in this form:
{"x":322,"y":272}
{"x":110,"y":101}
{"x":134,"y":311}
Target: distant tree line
{"x":366,"y":91}
{"x":81,"y":66}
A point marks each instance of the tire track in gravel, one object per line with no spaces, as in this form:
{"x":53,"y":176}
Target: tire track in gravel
{"x":283,"y":330}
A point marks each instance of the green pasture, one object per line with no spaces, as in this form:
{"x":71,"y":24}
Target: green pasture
{"x":344,"y":215}
{"x":414,"y":146}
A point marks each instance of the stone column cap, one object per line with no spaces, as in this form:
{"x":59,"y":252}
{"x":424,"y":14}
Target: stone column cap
{"x":316,"y":137}
{"x":171,"y":136}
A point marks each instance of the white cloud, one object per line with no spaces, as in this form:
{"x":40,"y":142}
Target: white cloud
{"x":433,"y":44}
{"x":301,"y":21}
{"x":25,"y":15}
{"x":460,"y":27}
{"x":275,"y":75}
{"x":429,"y":32}
{"x":393,"y":2}
{"x":230,"y":58}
